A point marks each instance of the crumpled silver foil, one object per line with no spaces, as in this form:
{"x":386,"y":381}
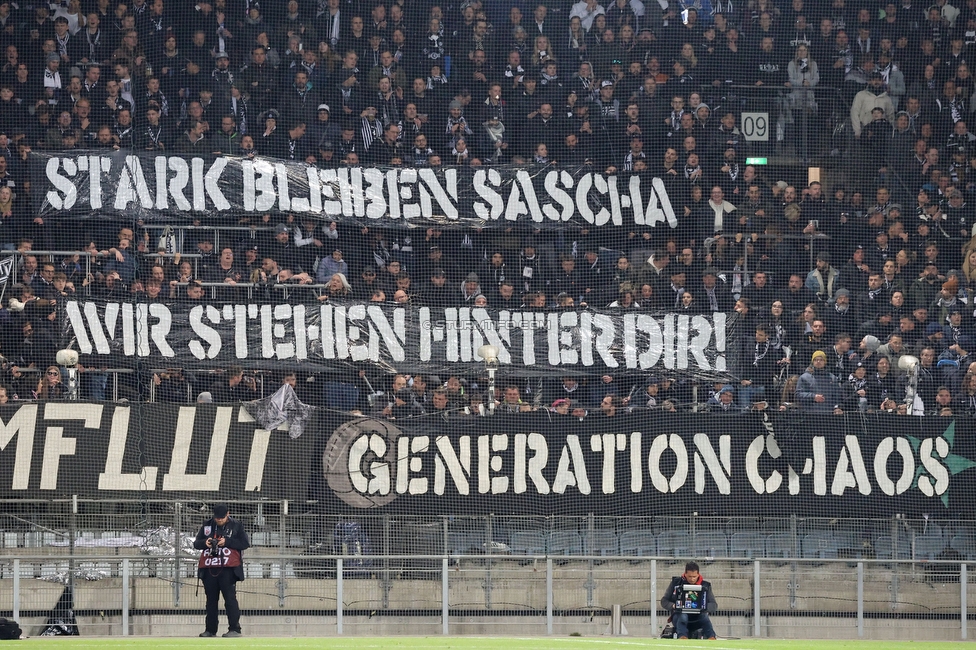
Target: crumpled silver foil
{"x":162,"y":542}
{"x":88,"y":574}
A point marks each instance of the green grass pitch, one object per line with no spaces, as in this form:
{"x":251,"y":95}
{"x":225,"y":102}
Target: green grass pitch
{"x":465,"y":643}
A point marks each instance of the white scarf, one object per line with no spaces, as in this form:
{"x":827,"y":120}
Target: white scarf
{"x":720,"y":210}
{"x":52,"y":79}
{"x":494,"y":132}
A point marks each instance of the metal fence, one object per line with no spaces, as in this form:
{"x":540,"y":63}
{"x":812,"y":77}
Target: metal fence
{"x":122,"y":569}
{"x":287,"y":527}
{"x":496,"y":595}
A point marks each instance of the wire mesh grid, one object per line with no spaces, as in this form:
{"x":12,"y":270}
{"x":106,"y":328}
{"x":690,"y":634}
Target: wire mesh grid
{"x":497,"y":577}
{"x":487,"y":594}
{"x":492,"y":595}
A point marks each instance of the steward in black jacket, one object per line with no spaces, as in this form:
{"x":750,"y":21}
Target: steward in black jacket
{"x":221,"y":567}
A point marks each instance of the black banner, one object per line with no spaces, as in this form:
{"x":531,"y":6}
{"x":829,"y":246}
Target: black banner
{"x":640,"y":463}
{"x":56,"y":449}
{"x":411,"y":339}
{"x":651,"y":463}
{"x":139,"y":185}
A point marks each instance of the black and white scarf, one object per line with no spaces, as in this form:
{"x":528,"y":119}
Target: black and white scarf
{"x":347,"y":90}
{"x":435,"y":50}
{"x":762,"y":349}
{"x":238,"y":108}
{"x":420,"y":156}
{"x":160,"y":98}
{"x":441,"y":80}
{"x":733,"y":170}
{"x":62,"y":43}
{"x":153,"y":134}
{"x":675,"y":120}
{"x":371,"y":129}
{"x":631,"y":158}
{"x":93,"y":42}
{"x":52,"y":79}
{"x":957,"y":109}
{"x":465,"y":129}
{"x":610,"y":109}
{"x":123,"y":134}
{"x":720,"y":7}
{"x":857,"y":383}
{"x":389,"y":109}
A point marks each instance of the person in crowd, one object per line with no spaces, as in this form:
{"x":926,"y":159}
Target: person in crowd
{"x":234,"y":386}
{"x":50,"y":386}
{"x":604,"y":87}
{"x":767,"y":362}
{"x":817,"y":390}
{"x":723,"y":402}
{"x":511,"y":401}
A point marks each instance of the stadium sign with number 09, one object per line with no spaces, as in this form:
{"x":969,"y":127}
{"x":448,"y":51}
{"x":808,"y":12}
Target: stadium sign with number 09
{"x":755,"y":127}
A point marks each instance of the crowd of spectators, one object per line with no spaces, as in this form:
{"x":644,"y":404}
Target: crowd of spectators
{"x":833,"y":285}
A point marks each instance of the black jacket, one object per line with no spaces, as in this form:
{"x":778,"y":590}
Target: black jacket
{"x":234,"y":537}
{"x":670,"y":597}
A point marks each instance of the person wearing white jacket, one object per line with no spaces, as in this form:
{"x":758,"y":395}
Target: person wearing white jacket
{"x":586,"y":11}
{"x":874,"y":96}
{"x":949,"y":12}
{"x":804,"y":76}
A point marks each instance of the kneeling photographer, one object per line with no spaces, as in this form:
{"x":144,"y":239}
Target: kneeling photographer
{"x":689,"y":598}
{"x":221,"y":567}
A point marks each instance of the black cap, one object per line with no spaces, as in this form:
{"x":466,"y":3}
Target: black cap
{"x":220,"y":511}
